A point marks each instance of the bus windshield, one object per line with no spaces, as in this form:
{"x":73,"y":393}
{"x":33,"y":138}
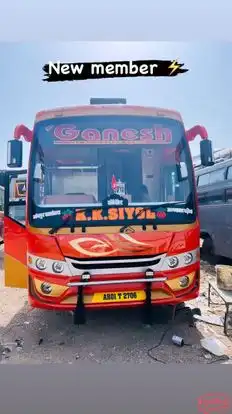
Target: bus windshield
{"x":80,"y":161}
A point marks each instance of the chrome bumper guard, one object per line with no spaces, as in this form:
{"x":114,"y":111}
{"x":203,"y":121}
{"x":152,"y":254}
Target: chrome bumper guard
{"x":116,"y":282}
{"x":79,"y":313}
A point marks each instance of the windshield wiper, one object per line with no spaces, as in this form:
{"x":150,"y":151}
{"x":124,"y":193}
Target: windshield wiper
{"x":153,"y":209}
{"x":71,"y":220}
{"x":148,"y":221}
{"x":66,"y":221}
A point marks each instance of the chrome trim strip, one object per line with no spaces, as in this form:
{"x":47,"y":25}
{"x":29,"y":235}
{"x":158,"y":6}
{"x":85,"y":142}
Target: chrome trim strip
{"x":115,"y":261}
{"x":116,"y":282}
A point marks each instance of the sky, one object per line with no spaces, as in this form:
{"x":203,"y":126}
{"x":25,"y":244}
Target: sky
{"x":203,"y":95}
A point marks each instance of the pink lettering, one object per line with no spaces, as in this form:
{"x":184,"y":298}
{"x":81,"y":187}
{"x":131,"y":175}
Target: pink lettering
{"x":167,"y":135}
{"x":129,"y":134}
{"x":91,"y":135}
{"x":146,"y":135}
{"x":66,"y":132}
{"x":110,"y":135}
{"x":157,"y":135}
{"x":162,"y":135}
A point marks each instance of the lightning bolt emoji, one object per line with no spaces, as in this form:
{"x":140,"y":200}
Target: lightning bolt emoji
{"x":174,"y":66}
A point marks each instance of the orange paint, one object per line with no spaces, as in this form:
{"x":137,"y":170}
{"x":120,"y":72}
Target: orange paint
{"x":117,"y":214}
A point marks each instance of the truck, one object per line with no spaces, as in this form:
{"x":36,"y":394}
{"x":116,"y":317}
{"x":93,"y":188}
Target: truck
{"x":111,"y":217}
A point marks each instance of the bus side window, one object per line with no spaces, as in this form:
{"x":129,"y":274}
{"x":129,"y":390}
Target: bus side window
{"x":229,"y":188}
{"x":203,"y":180}
{"x":229,"y":173}
{"x":217,"y":176}
{"x":229,"y":195}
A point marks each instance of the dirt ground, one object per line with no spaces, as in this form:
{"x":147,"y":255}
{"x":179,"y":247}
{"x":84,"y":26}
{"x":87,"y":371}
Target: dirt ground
{"x":30,"y":336}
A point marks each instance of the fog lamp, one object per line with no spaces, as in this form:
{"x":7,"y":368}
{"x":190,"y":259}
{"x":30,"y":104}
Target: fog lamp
{"x":46,"y":288}
{"x":184,"y":281}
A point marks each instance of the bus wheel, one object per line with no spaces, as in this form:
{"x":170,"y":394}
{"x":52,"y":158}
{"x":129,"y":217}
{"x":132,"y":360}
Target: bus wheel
{"x":208,"y":251}
{"x":180,"y":306}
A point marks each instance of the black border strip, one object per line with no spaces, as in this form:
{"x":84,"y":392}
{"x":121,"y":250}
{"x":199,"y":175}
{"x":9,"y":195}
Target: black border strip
{"x":121,"y":264}
{"x":116,"y":258}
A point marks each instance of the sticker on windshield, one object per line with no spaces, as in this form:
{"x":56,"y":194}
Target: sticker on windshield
{"x":47,"y":214}
{"x":115,"y":202}
{"x":70,"y":134}
{"x":125,"y":213}
{"x":179,"y":210}
{"x":66,"y":214}
{"x":161,"y":214}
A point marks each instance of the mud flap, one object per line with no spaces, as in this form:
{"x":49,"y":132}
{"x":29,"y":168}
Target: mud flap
{"x":147,"y":310}
{"x":79,"y":317}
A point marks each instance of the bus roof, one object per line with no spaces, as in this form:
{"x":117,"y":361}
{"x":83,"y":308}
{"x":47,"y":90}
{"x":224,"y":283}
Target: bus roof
{"x":107,"y":110}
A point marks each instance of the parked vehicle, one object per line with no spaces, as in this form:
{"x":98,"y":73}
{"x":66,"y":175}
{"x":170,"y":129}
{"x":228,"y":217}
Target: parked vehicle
{"x":111,"y":218}
{"x":214,"y":189}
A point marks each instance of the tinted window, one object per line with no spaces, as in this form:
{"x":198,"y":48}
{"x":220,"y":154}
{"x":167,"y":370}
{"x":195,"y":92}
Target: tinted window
{"x":229,"y":195}
{"x":217,"y":175}
{"x":85,"y":159}
{"x":229,"y":174}
{"x":203,"y":180}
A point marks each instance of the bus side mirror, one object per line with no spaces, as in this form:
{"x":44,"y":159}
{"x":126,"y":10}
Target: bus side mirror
{"x":38,"y":173}
{"x":14,"y":153}
{"x":182,"y":171}
{"x":206,"y":153}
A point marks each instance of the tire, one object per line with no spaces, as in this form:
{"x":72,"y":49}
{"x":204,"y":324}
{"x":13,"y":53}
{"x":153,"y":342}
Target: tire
{"x":228,"y":324}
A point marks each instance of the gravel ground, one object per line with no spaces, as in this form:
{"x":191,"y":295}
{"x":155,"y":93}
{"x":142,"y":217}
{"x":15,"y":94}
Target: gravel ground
{"x":108,"y":337}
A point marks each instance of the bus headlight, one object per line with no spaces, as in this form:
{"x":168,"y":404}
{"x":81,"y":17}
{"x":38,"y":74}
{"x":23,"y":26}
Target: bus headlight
{"x":188,"y":258}
{"x":41,"y":264}
{"x":58,"y":267}
{"x":173,"y":262}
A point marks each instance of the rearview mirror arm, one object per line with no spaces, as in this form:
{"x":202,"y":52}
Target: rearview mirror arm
{"x":23,"y":131}
{"x":192,"y":133}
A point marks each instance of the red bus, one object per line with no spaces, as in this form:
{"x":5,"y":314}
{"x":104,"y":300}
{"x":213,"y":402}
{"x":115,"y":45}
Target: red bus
{"x":111,"y":215}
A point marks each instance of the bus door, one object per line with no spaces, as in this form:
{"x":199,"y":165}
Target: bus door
{"x":15,"y":234}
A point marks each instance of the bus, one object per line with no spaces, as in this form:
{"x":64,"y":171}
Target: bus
{"x":214,"y":189}
{"x":111,"y":216}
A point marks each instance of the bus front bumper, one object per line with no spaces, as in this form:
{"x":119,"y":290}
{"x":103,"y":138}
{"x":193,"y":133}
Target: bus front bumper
{"x":77,"y":295}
